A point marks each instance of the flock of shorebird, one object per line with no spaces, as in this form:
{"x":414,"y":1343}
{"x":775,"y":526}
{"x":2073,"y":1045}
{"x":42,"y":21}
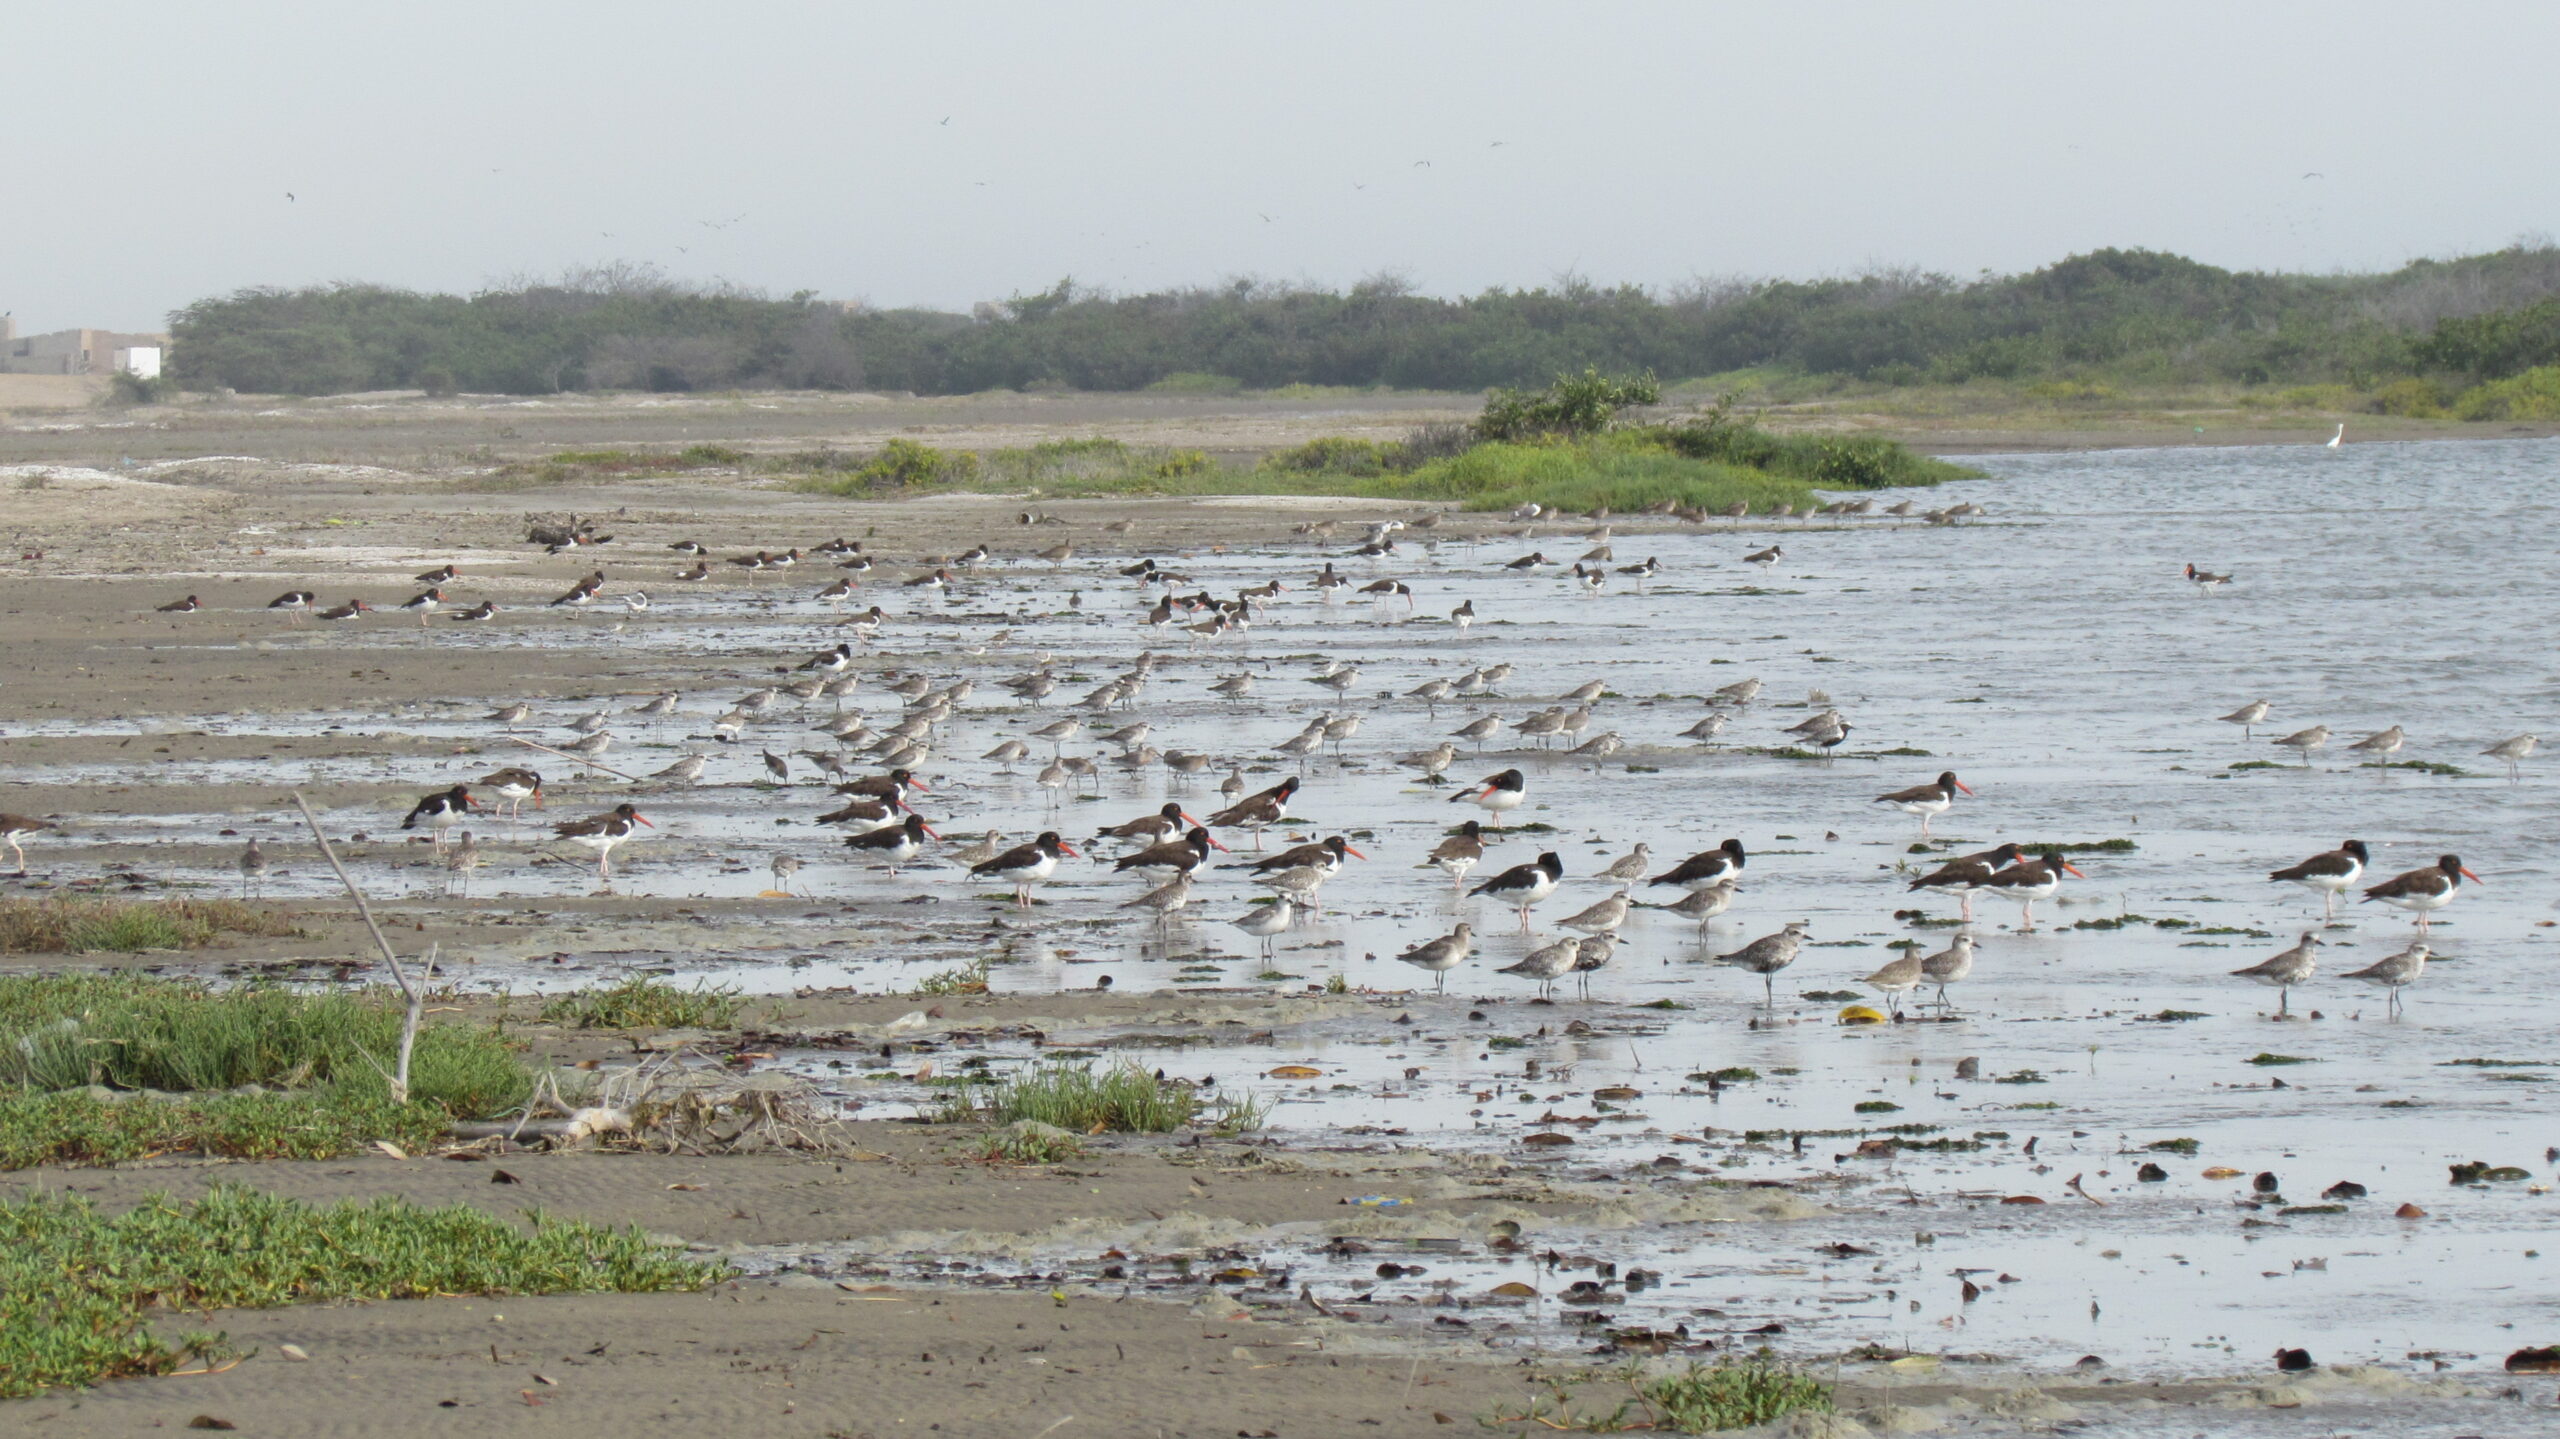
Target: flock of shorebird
{"x":1170,"y":850}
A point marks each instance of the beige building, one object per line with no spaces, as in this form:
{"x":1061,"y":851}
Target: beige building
{"x":80,"y":352}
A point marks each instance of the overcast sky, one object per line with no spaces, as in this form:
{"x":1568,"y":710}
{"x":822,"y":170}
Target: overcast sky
{"x":941,"y":154}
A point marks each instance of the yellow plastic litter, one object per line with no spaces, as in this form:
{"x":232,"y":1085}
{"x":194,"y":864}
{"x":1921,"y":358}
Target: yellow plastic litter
{"x":1860,"y":1014}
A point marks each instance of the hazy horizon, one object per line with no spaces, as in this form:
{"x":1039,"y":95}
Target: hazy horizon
{"x":908,"y":158}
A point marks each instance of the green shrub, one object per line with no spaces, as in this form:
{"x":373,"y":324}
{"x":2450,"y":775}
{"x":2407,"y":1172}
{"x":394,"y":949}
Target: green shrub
{"x":2411,"y":398}
{"x":1699,"y":1399}
{"x":78,"y":1128}
{"x":78,"y":1289}
{"x":1574,"y":405}
{"x":1183,"y":464}
{"x":2533,"y":395}
{"x":1334,"y":455}
{"x":902,"y":464}
{"x":1193,"y":383}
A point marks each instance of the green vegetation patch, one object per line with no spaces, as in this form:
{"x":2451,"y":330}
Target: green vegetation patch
{"x":1081,"y":1099}
{"x":2278,"y":1059}
{"x":645,"y":1001}
{"x":82,"y":1127}
{"x":77,"y":1287}
{"x":1699,"y":1399}
{"x":68,"y":924}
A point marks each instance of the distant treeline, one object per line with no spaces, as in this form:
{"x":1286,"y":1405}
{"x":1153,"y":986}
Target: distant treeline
{"x":2119,"y":315}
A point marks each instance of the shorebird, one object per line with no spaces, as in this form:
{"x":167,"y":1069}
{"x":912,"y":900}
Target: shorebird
{"x":2303,"y":742}
{"x":1739,"y":693}
{"x":2513,"y":750}
{"x":459,"y":864}
{"x":1627,"y":868}
{"x":1601,"y":918}
{"x":685,"y":770}
{"x":1464,"y":615}
{"x":1165,"y":900}
{"x":1706,"y":730}
{"x":1458,"y":853}
{"x":987,"y":847}
{"x":1479,"y":730}
{"x":602,"y":833}
{"x":2248,"y":717}
{"x":2285,"y":970}
{"x":424,"y":603}
{"x":2394,"y":972}
{"x":784,"y":868}
{"x":1951,"y":965}
{"x":1703,"y":904}
{"x":347,"y":611}
{"x":895,"y":845}
{"x":14,"y":827}
{"x":2424,"y":891}
{"x":660,"y":704}
{"x":1304,"y":885}
{"x":1765,"y":558}
{"x":513,"y":714}
{"x":515,"y":785}
{"x":1523,"y":885}
{"x":2330,"y":874}
{"x":1897,"y":978}
{"x":1768,"y":954}
{"x":1267,"y":922}
{"x":2206,"y":579}
{"x":2380,"y":745}
{"x":1928,"y":800}
{"x":1326,"y":855}
{"x":253,"y":868}
{"x":1600,"y":747}
{"x":1258,"y":812}
{"x":1172,"y":856}
{"x":186,"y":606}
{"x":1025,"y":865}
{"x":1969,"y":873}
{"x":1438,"y":956}
{"x":2030,"y":880}
{"x":295,"y":603}
{"x":1591,"y":955}
{"x":1497,"y":793}
{"x":440,"y":811}
{"x":1548,"y":964}
{"x":1706,"y":867}
{"x":1151,"y":828}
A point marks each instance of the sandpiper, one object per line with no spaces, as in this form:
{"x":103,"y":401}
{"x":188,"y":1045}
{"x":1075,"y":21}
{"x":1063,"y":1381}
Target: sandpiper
{"x":2285,"y":970}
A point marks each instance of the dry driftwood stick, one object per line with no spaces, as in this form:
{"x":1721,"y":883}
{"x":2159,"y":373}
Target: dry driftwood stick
{"x":399,"y":1075}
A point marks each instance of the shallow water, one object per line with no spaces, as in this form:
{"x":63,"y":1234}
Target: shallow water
{"x":2051,"y":655}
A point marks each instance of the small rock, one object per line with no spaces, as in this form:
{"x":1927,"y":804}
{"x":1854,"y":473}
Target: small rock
{"x":2344,"y":1189}
{"x":1969,"y":1068}
{"x":2151,"y":1174}
{"x":294,"y":1352}
{"x":2293,"y":1361}
{"x":2408,"y":1211}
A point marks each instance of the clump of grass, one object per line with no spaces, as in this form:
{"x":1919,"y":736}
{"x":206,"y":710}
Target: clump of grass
{"x":970,"y":978}
{"x":645,"y":1001}
{"x":1027,"y":1144}
{"x":1700,"y":1399}
{"x":2266,"y":1060}
{"x":77,"y":1127}
{"x":1081,"y":1099}
{"x":65,"y":924}
{"x":77,"y":1287}
{"x":138,"y":1032}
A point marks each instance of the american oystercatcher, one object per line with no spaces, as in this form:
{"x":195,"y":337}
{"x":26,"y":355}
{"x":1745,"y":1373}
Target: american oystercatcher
{"x":1967,"y":874}
{"x":295,"y":603}
{"x":2424,"y":891}
{"x":424,"y":603}
{"x":1258,"y":812}
{"x":2206,"y":579}
{"x":480,"y":611}
{"x":515,"y":785}
{"x":1523,"y":885}
{"x":1458,"y":853}
{"x":347,"y":611}
{"x":1705,"y":867}
{"x":1025,"y":865}
{"x":441,"y":575}
{"x":2030,"y":880}
{"x":1325,"y":855}
{"x":440,"y":811}
{"x":1499,"y":793}
{"x":894,"y":844}
{"x":1927,"y":800}
{"x":1151,"y":828}
{"x":187,"y":606}
{"x":15,"y":827}
{"x":1173,"y":856}
{"x":602,"y":832}
{"x":2330,"y":874}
